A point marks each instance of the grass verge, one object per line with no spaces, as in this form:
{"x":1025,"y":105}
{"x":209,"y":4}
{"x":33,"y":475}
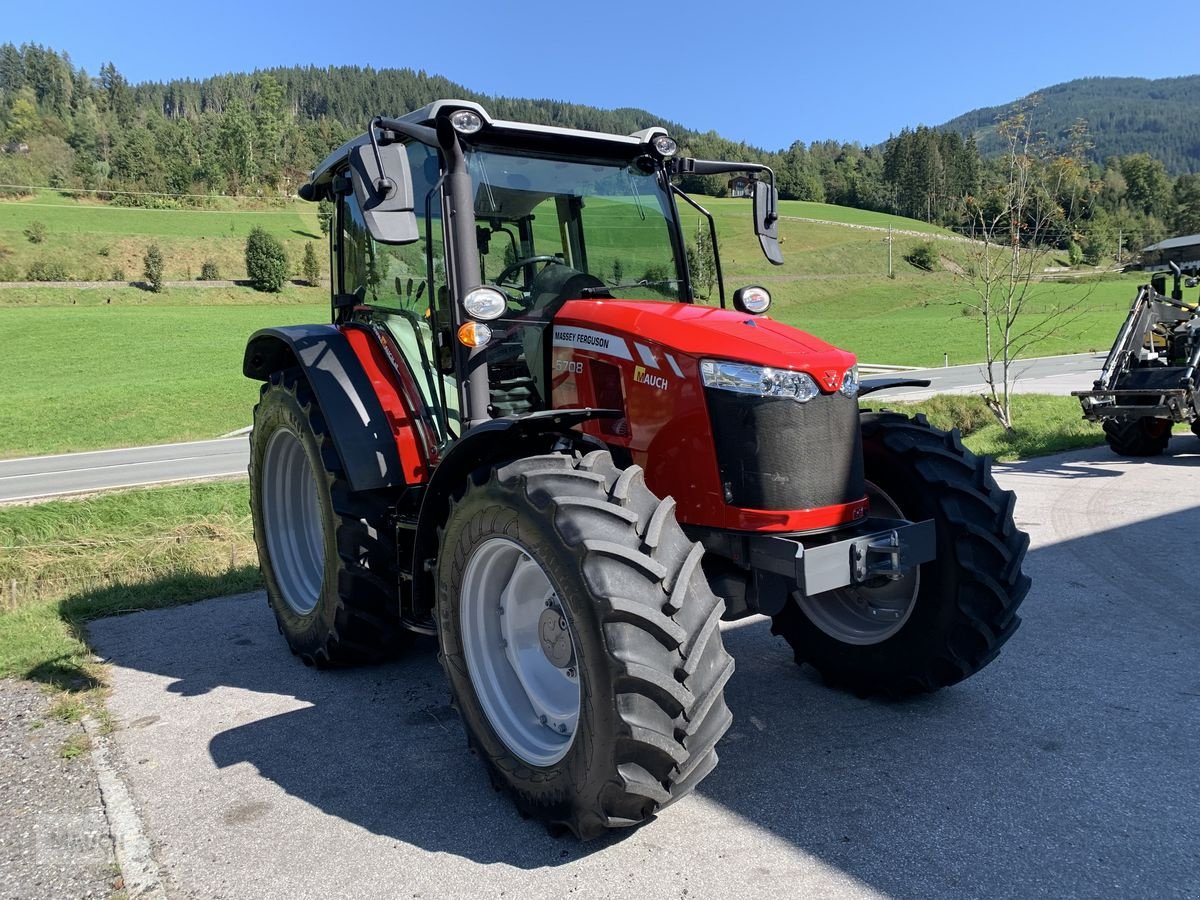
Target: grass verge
{"x":68,"y":561}
{"x":1043,"y":424}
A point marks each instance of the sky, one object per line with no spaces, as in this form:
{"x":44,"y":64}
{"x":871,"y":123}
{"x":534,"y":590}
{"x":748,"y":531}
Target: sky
{"x":769,"y":74}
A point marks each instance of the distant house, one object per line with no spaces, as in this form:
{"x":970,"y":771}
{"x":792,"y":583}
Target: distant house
{"x":1183,"y":251}
{"x":739,"y":186}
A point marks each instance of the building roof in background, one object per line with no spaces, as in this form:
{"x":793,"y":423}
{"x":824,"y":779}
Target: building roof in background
{"x":1172,"y":243}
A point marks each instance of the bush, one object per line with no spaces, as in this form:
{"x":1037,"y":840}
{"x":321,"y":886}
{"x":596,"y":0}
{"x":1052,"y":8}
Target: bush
{"x":118,"y":274}
{"x":310,"y":267}
{"x":8,"y":272}
{"x":209,"y":271}
{"x":104,"y":251}
{"x":46,"y":271}
{"x":36,"y":232}
{"x":153,"y":271}
{"x":923,"y":256}
{"x":1074,"y":254}
{"x":266,"y":261}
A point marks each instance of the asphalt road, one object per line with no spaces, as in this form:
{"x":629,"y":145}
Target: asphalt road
{"x":1067,"y":768}
{"x":73,"y":473}
{"x":1043,"y":375}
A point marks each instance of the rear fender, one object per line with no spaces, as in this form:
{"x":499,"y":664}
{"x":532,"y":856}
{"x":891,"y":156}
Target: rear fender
{"x":362,"y":433}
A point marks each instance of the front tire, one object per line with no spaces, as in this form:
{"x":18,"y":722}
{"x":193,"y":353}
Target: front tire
{"x":958,"y":610}
{"x":1137,"y":437}
{"x":581,"y":641}
{"x":325,"y":552}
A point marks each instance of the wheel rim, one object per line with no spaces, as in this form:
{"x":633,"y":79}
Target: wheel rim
{"x":520,"y":652}
{"x":291,"y":511}
{"x":861,"y":614}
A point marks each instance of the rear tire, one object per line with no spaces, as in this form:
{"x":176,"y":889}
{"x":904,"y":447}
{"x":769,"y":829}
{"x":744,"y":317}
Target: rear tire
{"x":965,"y":600}
{"x":645,"y":643}
{"x":1196,"y":428}
{"x":1137,"y":437}
{"x":326,"y":553}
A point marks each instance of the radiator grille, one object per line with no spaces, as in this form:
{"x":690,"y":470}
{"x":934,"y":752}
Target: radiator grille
{"x":780,"y":454}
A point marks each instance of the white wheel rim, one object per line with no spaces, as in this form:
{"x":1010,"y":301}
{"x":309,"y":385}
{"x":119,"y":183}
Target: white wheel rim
{"x":520,"y":652}
{"x":291,"y":512}
{"x":861,"y":615}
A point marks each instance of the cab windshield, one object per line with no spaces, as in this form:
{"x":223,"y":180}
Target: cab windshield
{"x":551,"y":229}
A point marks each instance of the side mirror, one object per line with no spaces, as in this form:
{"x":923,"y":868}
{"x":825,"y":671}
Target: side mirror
{"x":385,"y":197}
{"x":766,"y":221}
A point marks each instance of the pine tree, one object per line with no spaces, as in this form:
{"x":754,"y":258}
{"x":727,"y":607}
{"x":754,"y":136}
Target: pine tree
{"x":153,"y":268}
{"x":310,"y":267}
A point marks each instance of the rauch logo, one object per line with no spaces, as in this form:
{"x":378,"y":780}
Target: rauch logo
{"x":641,"y":376}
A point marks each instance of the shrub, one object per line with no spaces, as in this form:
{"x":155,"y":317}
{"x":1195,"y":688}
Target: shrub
{"x":310,"y":267}
{"x":46,"y":271}
{"x":9,"y":272}
{"x":118,"y":274}
{"x":1074,"y":254}
{"x":153,"y":268}
{"x":36,"y":232}
{"x":923,"y":256}
{"x":266,"y":261}
{"x":104,"y":251}
{"x":209,"y":271}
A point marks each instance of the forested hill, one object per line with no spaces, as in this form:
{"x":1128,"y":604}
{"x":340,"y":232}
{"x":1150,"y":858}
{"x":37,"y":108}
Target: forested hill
{"x":352,"y":95}
{"x":1124,"y":116}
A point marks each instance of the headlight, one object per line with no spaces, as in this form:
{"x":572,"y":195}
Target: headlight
{"x":752,"y":299}
{"x":665,"y":146}
{"x":484,"y":303}
{"x":465,"y":121}
{"x":850,"y":382}
{"x":757,"y":380}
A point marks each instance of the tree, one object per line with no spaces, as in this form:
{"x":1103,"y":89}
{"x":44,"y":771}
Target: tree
{"x":325,"y":216}
{"x":702,"y":264}
{"x":23,"y":119}
{"x":310,"y":267}
{"x":266,"y":261}
{"x":1186,"y":219}
{"x":1015,"y":223}
{"x":1147,"y":184}
{"x":152,"y":269}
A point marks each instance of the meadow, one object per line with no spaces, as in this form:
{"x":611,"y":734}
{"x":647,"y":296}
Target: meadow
{"x":119,"y":366}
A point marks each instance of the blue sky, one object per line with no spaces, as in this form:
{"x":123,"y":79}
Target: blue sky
{"x":769,"y":74}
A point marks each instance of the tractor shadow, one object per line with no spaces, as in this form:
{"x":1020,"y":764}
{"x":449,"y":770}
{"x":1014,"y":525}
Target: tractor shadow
{"x":1065,"y":768}
{"x":1101,"y":462}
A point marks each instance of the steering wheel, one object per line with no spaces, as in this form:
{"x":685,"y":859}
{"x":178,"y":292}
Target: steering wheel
{"x":527,"y":261}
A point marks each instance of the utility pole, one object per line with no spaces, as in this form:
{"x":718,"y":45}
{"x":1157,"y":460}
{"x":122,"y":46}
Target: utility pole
{"x":889,"y":243}
{"x":1120,"y":240}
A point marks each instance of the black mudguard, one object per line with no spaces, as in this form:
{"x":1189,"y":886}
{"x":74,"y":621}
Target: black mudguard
{"x":361,"y":432}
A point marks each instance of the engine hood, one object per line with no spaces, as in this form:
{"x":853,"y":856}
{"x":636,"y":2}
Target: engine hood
{"x":704,"y":331}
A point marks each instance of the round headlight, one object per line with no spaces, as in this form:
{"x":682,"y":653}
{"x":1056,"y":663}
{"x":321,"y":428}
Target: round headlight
{"x":485,"y":303}
{"x":466,"y":121}
{"x":850,"y":382}
{"x":664,"y":146}
{"x":753,"y":299}
{"x":798,"y":386}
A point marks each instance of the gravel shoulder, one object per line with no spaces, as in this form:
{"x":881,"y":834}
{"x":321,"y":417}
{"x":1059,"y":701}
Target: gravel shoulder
{"x":54,"y":839}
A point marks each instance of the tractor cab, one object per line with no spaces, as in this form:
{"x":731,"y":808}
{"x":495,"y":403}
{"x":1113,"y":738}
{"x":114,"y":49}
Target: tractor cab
{"x":463,"y":237}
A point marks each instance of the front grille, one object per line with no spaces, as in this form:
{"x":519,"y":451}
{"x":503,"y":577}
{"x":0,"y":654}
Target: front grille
{"x":779,"y":454}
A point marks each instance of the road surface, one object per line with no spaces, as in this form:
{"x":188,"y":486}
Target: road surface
{"x":74,"y":473}
{"x":1065,"y":769}
{"x":1043,"y":375}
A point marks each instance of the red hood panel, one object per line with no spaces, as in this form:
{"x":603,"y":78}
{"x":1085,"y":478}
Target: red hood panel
{"x":703,"y":331}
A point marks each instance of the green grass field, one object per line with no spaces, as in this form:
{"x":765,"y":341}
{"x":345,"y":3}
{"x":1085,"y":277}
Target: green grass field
{"x":92,"y":240}
{"x":130,"y":373}
{"x":89,"y":368}
{"x":74,"y":560}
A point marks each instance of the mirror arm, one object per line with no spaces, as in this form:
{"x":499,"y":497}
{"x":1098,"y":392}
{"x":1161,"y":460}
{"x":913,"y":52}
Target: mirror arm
{"x":712,"y":231}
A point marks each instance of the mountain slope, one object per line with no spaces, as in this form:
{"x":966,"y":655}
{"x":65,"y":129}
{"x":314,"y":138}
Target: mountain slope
{"x":1124,"y":115}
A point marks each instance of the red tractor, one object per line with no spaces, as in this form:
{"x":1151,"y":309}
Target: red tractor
{"x":523,"y":433}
